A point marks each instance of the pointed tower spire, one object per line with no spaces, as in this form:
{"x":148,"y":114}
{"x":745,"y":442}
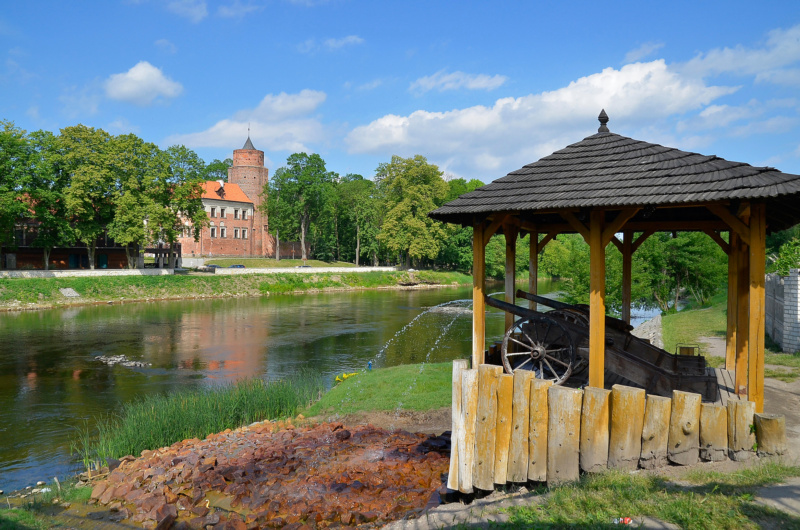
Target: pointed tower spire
{"x":603,"y":118}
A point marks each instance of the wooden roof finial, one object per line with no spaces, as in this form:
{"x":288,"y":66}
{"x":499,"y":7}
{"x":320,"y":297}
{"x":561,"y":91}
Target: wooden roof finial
{"x":603,"y":117}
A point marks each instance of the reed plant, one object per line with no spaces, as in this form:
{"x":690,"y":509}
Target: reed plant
{"x":161,"y":420}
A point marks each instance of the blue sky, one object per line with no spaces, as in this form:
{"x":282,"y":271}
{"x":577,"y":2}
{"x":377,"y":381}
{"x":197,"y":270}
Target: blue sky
{"x":479,"y":88}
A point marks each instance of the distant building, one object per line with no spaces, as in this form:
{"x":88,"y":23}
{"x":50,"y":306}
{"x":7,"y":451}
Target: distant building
{"x":237,"y":227}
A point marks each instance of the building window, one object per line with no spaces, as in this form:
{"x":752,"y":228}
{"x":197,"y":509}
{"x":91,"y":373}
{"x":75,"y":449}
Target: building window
{"x":222,"y":212}
{"x":213,"y":232}
{"x":244,"y":233}
{"x":244,"y":214}
{"x":222,"y":231}
{"x":236,"y":213}
{"x":213,"y":212}
{"x":235,"y":233}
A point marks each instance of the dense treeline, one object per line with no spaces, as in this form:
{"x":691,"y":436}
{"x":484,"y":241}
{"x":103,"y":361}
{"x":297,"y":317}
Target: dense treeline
{"x":83,"y":183}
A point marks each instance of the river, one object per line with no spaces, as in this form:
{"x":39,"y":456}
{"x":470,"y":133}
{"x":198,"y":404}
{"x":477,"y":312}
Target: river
{"x":51,"y":383}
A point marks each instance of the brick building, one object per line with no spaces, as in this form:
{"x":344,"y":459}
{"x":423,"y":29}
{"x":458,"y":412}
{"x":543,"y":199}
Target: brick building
{"x":237,"y":227}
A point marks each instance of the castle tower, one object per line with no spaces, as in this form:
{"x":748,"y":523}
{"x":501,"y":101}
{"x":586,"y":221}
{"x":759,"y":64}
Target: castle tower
{"x":249,"y":173}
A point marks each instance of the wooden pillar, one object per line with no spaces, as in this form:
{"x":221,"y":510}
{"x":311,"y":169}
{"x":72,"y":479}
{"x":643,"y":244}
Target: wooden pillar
{"x":533,"y":268}
{"x":742,"y":320}
{"x":597,"y":295}
{"x":757,"y":259}
{"x":478,"y":290}
{"x":627,"y":262}
{"x":733,"y":283}
{"x":510,"y":232}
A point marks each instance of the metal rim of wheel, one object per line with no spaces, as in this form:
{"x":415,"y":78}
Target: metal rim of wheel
{"x":541,"y":345}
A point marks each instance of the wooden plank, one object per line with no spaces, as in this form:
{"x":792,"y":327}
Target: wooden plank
{"x":732,"y":319}
{"x":757,"y":258}
{"x":459,"y":365}
{"x":520,"y":424}
{"x":731,"y":220}
{"x":594,"y":430}
{"x":546,"y":239}
{"x":486,"y":427}
{"x":493,"y":226}
{"x":742,"y":320}
{"x":637,"y":226}
{"x":641,"y":239}
{"x":617,"y":243}
{"x":510,"y":232}
{"x":627,"y":264}
{"x":616,"y":225}
{"x":537,"y":430}
{"x":655,"y":432}
{"x":563,"y":434}
{"x":505,"y":399}
{"x":533,"y":268}
{"x":627,"y":422}
{"x":713,"y":432}
{"x":713,"y":234}
{"x":478,"y":291}
{"x":466,"y":438}
{"x":576,"y":225}
{"x":597,"y":307}
{"x":741,"y":437}
{"x":684,"y":428}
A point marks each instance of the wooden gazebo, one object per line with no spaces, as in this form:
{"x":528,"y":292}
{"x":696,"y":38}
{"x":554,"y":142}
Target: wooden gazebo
{"x":609,"y":185}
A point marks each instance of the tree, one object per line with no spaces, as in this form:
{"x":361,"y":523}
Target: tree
{"x":85,"y":155}
{"x":217,"y":170}
{"x":356,"y":195}
{"x":412,"y":188}
{"x":456,"y":251}
{"x":15,"y":172}
{"x":279,"y":210}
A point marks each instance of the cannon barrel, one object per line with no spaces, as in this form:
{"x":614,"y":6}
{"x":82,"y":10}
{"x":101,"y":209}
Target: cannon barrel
{"x":611,"y":322}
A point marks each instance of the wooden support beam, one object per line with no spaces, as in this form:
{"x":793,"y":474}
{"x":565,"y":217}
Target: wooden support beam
{"x":713,"y":234}
{"x":627,"y":264}
{"x":546,"y":239}
{"x":533,"y":266}
{"x":731,"y":220}
{"x":641,"y":239}
{"x":478,"y":292}
{"x":637,"y":226}
{"x":597,"y":295}
{"x":757,"y":258}
{"x":510,"y":232}
{"x":576,"y":225}
{"x":733,"y":284}
{"x":617,"y":242}
{"x":494,"y":225}
{"x":742,"y":320}
{"x":616,"y":225}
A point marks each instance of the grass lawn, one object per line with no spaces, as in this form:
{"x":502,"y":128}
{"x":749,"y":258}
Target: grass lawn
{"x":410,"y":387}
{"x":261,"y":263}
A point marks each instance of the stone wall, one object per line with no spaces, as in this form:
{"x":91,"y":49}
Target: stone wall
{"x":783,"y":310}
{"x":84,"y":273}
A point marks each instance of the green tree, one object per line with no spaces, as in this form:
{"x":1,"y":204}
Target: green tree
{"x":15,"y":173}
{"x":217,"y":170}
{"x":456,"y":251}
{"x":357,"y":197}
{"x":86,"y":156}
{"x":412,"y":187}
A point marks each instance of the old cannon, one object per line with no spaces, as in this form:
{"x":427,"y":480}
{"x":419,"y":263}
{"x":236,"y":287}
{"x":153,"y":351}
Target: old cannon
{"x":555,"y":346}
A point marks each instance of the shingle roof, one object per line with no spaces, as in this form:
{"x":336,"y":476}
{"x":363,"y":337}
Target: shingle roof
{"x":248,"y":144}
{"x":228,"y":192}
{"x":612,"y":171}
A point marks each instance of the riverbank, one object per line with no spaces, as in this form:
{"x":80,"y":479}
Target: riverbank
{"x":21,"y":294}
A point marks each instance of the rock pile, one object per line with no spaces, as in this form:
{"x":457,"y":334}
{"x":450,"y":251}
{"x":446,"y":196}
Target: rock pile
{"x":267,"y":476}
{"x":121,"y":360}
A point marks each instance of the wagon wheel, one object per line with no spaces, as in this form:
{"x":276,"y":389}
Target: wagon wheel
{"x":541,"y":345}
{"x":580,"y":318}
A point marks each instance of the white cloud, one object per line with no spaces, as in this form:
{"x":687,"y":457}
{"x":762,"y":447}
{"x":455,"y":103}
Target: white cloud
{"x":442,"y":81}
{"x":141,"y":85}
{"x":773,"y":125}
{"x":307,"y":46}
{"x":781,"y":49}
{"x":165,"y":46}
{"x":371,"y":85}
{"x":280,"y":122}
{"x":350,"y":40}
{"x":642,"y":51}
{"x":122,"y":126}
{"x":237,"y":9}
{"x":80,"y":102}
{"x":514,"y":131}
{"x":193,"y":10}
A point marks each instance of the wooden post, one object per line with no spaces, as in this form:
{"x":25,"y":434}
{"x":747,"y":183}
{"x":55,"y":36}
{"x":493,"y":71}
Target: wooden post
{"x":594,"y":430}
{"x":627,"y":423}
{"x":533,"y":267}
{"x":518,"y":451}
{"x":510,"y":232}
{"x":537,"y":431}
{"x":770,"y":434}
{"x":733,"y":283}
{"x":741,"y":437}
{"x":478,"y":291}
{"x":466,"y":437}
{"x":684,"y":428}
{"x":755,"y":369}
{"x":505,"y":398}
{"x":713,"y":432}
{"x":597,"y":296}
{"x":655,"y":432}
{"x":563,"y":434}
{"x":627,"y":264}
{"x":742,"y":321}
{"x":486,"y":426}
{"x":459,"y":365}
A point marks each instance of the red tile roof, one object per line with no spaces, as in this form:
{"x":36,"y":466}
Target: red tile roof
{"x":228,"y":192}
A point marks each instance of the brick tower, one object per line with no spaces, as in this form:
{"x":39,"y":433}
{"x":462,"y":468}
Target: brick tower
{"x":249,"y":173}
